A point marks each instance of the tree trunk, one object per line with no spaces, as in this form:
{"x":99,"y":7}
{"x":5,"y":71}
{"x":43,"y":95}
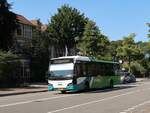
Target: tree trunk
{"x":66,"y":50}
{"x":129,"y":63}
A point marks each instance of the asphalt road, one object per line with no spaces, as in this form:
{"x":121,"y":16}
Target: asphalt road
{"x":131,"y":98}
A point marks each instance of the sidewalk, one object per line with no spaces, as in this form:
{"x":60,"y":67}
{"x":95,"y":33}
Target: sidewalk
{"x":34,"y":88}
{"x":142,"y":79}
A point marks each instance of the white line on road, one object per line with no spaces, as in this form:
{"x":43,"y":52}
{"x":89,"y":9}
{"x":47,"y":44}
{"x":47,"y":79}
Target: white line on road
{"x":56,"y":97}
{"x":136,"y":106}
{"x":43,"y":99}
{"x":96,"y":101}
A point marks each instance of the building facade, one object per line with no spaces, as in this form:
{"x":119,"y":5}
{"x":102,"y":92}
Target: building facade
{"x":23,"y":35}
{"x":23,"y":46}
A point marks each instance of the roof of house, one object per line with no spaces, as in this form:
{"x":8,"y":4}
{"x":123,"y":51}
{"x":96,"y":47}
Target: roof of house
{"x":23,"y":20}
{"x":36,"y":23}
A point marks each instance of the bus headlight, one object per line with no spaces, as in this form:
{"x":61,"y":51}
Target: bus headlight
{"x":70,"y":84}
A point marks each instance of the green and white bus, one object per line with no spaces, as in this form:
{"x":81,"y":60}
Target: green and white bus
{"x":74,"y":73}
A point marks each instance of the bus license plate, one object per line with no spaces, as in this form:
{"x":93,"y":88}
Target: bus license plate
{"x":60,"y":84}
{"x":60,"y":88}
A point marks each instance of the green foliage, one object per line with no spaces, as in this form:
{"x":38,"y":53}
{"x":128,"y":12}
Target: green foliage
{"x":137,"y":69}
{"x":146,"y":49}
{"x":145,"y":46}
{"x":148,"y":24}
{"x":93,"y":42}
{"x":9,"y":67}
{"x":66,"y":27}
{"x":129,"y":50}
{"x":8,"y":24}
{"x":133,"y":52}
{"x":135,"y":55}
{"x":113,"y":47}
{"x":40,"y":54}
{"x":4,"y":56}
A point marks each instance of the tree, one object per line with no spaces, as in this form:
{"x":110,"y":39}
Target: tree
{"x":129,"y":50}
{"x":145,"y":47}
{"x":147,"y":51}
{"x":93,"y":42}
{"x":148,"y":43}
{"x":40,"y":54}
{"x":66,"y":27}
{"x":8,"y":24}
{"x":10,"y":67}
{"x":148,"y":24}
{"x":113,"y":49}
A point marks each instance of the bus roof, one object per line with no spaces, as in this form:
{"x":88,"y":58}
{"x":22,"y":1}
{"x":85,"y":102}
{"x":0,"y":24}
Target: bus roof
{"x":103,"y":61}
{"x":84,"y":58}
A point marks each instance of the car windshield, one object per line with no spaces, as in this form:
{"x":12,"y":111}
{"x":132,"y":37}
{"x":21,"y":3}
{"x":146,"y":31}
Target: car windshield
{"x":60,"y":74}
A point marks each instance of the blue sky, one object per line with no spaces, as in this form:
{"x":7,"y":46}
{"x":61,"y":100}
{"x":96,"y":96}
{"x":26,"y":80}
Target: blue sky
{"x":115,"y":18}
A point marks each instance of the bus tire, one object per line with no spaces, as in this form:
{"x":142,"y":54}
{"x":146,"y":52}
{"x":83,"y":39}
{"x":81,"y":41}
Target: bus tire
{"x":111,"y":84}
{"x":63,"y":91}
{"x":87,"y":86}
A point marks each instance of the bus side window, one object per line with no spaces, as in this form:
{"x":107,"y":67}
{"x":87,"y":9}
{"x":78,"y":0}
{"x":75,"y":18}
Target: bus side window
{"x":94,"y":69}
{"x":80,"y":69}
{"x":102,"y":69}
{"x":77,"y":69}
{"x":85,"y":69}
{"x":89,"y":69}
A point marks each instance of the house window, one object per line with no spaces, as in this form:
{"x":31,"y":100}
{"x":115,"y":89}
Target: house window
{"x":19,"y":30}
{"x":27,"y":31}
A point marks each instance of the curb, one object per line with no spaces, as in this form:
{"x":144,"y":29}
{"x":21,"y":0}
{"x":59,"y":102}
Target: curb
{"x":19,"y":93}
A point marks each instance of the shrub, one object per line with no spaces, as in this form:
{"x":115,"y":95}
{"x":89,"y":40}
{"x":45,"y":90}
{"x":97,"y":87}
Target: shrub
{"x":136,"y":68}
{"x":9,"y":67}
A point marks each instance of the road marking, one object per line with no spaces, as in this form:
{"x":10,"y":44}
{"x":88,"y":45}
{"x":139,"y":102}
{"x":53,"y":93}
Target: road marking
{"x":56,"y":97}
{"x":136,"y":106}
{"x":43,"y":99}
{"x":96,"y":101}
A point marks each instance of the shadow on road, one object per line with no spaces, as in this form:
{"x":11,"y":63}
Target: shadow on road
{"x":108,"y":89}
{"x":100,"y":90}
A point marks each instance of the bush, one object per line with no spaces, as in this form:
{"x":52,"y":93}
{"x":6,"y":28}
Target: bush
{"x":9,"y":67}
{"x":136,"y":68}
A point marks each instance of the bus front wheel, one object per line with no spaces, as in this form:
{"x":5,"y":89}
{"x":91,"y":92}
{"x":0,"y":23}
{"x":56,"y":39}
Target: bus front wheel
{"x":63,"y":91}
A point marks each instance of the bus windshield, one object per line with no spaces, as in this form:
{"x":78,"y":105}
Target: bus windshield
{"x":60,"y":74}
{"x":61,"y":70}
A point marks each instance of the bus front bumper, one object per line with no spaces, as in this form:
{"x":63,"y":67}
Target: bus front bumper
{"x":68,"y":88}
